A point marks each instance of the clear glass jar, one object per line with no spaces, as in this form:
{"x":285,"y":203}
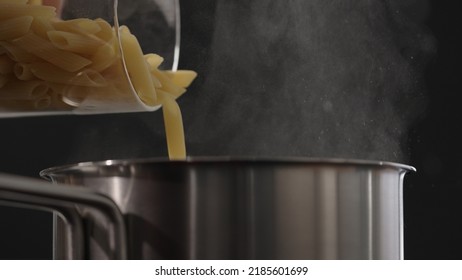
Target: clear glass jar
{"x":84,"y":56}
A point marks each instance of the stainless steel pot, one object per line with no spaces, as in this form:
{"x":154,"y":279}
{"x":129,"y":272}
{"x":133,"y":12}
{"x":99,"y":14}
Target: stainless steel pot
{"x":221,"y":208}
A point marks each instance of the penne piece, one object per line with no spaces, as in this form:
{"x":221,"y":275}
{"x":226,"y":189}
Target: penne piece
{"x":14,"y":1}
{"x":182,"y":78}
{"x":153,"y":60}
{"x":14,"y":10}
{"x":57,"y":101}
{"x":74,"y":95}
{"x":41,"y":103}
{"x":74,"y":42}
{"x":104,"y":57}
{"x":15,"y":27}
{"x":44,"y":49}
{"x":51,"y":73}
{"x":40,"y":26}
{"x":173,"y":123}
{"x":22,"y":71}
{"x":82,"y":26}
{"x":167,"y":84}
{"x":106,"y":32}
{"x":155,"y":81}
{"x":23,"y":90}
{"x":137,"y":68}
{"x":6,"y":65}
{"x":33,"y":2}
{"x":3,"y":80}
{"x":17,"y":53}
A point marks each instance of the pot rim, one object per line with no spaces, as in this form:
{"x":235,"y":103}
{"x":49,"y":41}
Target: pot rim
{"x":45,"y":173}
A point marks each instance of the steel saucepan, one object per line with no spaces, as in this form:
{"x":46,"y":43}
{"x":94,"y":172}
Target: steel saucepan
{"x":224,"y":208}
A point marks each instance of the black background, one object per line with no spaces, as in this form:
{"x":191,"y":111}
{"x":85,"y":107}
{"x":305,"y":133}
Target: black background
{"x":433,"y":211}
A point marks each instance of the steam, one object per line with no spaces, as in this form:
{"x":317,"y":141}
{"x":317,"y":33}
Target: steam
{"x":312,"y":78}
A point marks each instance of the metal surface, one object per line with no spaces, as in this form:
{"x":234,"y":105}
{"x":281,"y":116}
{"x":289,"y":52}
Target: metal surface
{"x":40,"y":195}
{"x":247,"y":208}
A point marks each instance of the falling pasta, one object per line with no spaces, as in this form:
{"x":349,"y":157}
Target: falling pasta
{"x":51,"y":64}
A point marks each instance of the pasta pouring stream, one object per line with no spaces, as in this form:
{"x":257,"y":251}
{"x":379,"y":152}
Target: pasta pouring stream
{"x":84,"y":66}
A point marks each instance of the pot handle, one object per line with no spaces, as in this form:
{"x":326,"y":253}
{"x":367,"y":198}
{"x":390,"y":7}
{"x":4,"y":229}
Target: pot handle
{"x":41,"y":195}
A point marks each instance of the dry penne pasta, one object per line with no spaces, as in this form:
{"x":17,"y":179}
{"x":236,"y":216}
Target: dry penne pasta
{"x":15,"y":27}
{"x":22,"y":71}
{"x":106,"y":33}
{"x":137,"y":68}
{"x":83,"y":26}
{"x":153,"y":60}
{"x":40,"y":26}
{"x":17,"y":53}
{"x":33,"y":2}
{"x":57,"y":88}
{"x":13,"y":10}
{"x":3,"y":80}
{"x":38,"y":46}
{"x":14,"y":1}
{"x":75,"y":95}
{"x":6,"y":65}
{"x":58,"y":93}
{"x":26,"y":105}
{"x":74,"y":42}
{"x":104,"y":57}
{"x":23,"y":90}
{"x":167,"y":85}
{"x":51,"y":73}
{"x":182,"y":78}
{"x":47,"y":63}
{"x":57,"y":100}
{"x":173,"y":123}
{"x":41,"y":103}
{"x":155,"y":81}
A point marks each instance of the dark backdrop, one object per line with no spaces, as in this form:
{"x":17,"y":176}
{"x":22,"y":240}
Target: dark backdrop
{"x":432,"y":209}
